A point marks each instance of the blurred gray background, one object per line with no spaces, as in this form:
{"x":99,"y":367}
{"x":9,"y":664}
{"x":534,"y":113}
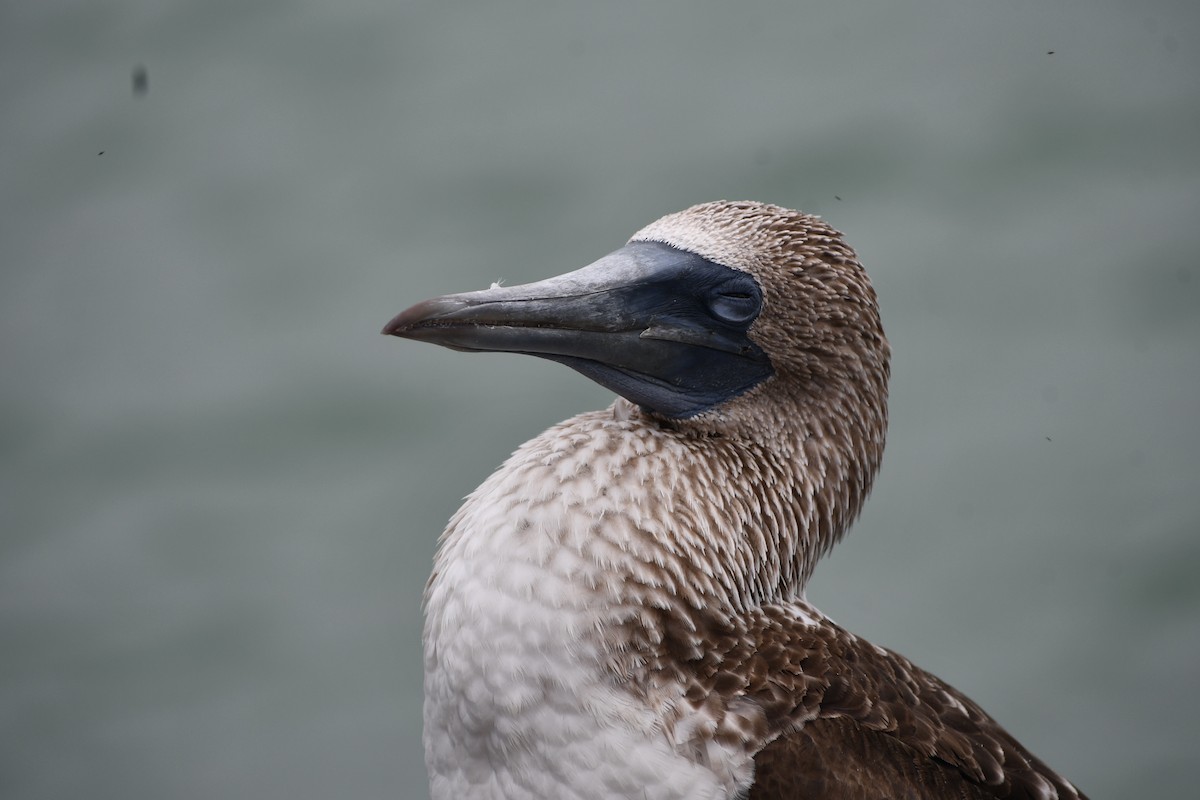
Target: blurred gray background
{"x":220,"y":487}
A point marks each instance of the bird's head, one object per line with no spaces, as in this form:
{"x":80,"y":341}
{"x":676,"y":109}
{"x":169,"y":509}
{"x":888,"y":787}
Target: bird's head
{"x":705,"y":313}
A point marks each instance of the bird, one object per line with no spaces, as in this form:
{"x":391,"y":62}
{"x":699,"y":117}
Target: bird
{"x":619,"y":610}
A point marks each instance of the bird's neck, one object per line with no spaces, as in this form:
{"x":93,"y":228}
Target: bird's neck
{"x":649,"y":510}
{"x":586,"y":552}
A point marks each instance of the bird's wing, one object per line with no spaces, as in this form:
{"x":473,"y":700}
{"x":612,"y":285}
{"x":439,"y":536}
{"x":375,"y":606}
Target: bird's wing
{"x":826,"y":714}
{"x":878,"y":725}
{"x":839,"y":758}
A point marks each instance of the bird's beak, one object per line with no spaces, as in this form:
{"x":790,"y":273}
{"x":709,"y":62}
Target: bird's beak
{"x":662,"y":327}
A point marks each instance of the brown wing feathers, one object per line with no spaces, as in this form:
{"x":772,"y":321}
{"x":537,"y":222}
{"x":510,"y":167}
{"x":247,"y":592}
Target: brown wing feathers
{"x":838,"y":758}
{"x":837,"y":716}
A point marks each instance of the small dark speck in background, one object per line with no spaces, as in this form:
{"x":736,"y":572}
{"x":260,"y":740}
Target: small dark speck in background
{"x":835,"y":197}
{"x":141,"y":81}
{"x":1048,"y":439}
{"x":100,"y":153}
{"x":1049,"y":52}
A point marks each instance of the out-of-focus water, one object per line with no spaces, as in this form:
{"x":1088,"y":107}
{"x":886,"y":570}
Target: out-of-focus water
{"x":220,"y":488}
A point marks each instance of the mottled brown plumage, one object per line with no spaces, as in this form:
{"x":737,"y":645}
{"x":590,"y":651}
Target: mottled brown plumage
{"x":841,"y":717}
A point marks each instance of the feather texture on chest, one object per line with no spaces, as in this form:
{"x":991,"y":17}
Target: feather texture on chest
{"x":539,"y":580}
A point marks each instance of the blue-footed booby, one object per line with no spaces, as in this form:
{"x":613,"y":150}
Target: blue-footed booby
{"x":619,"y":611}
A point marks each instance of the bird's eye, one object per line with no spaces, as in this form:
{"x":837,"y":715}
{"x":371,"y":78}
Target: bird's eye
{"x":736,"y":304}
